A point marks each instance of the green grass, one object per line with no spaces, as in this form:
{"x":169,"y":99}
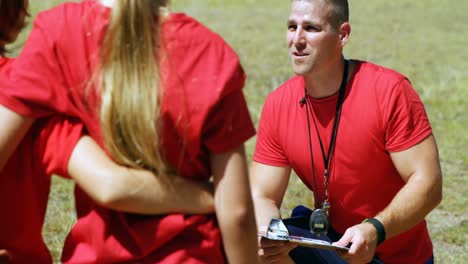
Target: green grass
{"x":423,"y":39}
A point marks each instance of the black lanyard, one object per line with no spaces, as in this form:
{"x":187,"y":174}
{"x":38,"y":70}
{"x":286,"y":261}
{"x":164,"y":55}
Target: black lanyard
{"x":331,"y":147}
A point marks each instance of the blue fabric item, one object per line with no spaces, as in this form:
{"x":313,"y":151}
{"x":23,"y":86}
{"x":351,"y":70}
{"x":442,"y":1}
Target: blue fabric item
{"x":298,"y":225}
{"x":430,"y":261}
{"x":301,"y":211}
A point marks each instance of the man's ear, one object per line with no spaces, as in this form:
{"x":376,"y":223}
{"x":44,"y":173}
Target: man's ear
{"x":345,"y":31}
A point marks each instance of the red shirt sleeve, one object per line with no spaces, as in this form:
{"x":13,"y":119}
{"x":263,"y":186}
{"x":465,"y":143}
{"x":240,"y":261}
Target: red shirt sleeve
{"x":268,"y":150}
{"x":35,"y":85}
{"x":212,"y":79}
{"x":229,"y":124}
{"x":54,"y":141}
{"x":408,"y":123}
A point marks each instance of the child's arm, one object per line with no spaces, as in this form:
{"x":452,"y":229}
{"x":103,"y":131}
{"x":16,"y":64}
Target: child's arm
{"x":132,"y":190}
{"x":12,"y":130}
{"x":234,"y":207}
{"x":63,"y":149}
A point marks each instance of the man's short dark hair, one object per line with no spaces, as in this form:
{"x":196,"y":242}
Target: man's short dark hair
{"x":339,"y":12}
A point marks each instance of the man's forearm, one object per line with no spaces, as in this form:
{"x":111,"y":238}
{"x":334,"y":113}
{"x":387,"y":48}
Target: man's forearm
{"x":411,"y":205}
{"x":265,"y":210}
{"x":269,"y":185}
{"x":419,"y":167}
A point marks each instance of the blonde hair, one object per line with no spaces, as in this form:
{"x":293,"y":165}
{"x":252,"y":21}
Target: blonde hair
{"x":130,"y":85}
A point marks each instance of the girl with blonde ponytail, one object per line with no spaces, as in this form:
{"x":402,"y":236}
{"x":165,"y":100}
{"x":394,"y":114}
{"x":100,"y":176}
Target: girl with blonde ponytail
{"x":130,"y":85}
{"x":159,"y":92}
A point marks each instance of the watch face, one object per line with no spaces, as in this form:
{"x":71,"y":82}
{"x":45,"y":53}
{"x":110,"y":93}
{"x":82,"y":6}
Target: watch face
{"x":319,"y":222}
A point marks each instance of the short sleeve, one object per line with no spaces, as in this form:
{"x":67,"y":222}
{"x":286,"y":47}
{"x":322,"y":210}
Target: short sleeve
{"x":54,"y":142}
{"x":34,"y":84}
{"x":268,"y":150}
{"x":229,"y":124}
{"x":408,"y":123}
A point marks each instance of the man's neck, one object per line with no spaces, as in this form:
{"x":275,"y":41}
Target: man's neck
{"x":327,"y":82}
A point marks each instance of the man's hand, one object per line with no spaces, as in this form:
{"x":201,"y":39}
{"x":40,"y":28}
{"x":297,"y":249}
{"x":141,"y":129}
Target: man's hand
{"x":364,"y":241}
{"x":274,"y":251}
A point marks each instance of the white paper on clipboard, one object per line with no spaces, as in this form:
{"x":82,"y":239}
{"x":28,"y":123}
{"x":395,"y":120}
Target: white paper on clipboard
{"x":278,"y":231}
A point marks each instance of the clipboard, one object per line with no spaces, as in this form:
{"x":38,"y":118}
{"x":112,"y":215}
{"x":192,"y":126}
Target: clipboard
{"x":277,"y":230}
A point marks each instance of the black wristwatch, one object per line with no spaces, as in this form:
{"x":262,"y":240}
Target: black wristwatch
{"x":379,"y":227}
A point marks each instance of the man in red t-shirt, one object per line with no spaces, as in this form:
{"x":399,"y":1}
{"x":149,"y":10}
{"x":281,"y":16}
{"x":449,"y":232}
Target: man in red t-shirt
{"x":358,"y":136}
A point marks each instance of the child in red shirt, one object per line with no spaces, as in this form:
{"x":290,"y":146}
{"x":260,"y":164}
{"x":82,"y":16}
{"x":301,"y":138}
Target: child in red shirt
{"x":24,"y":181}
{"x":47,"y":149}
{"x":200,"y":107}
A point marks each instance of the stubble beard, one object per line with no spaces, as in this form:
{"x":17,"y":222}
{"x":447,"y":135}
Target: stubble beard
{"x":300,"y":68}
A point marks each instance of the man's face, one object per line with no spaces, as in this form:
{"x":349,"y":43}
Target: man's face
{"x":312,"y":41}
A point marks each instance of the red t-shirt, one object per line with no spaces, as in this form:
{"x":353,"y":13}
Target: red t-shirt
{"x":25,"y":183}
{"x":203,"y":111}
{"x":4,"y":61}
{"x":381,"y":113}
